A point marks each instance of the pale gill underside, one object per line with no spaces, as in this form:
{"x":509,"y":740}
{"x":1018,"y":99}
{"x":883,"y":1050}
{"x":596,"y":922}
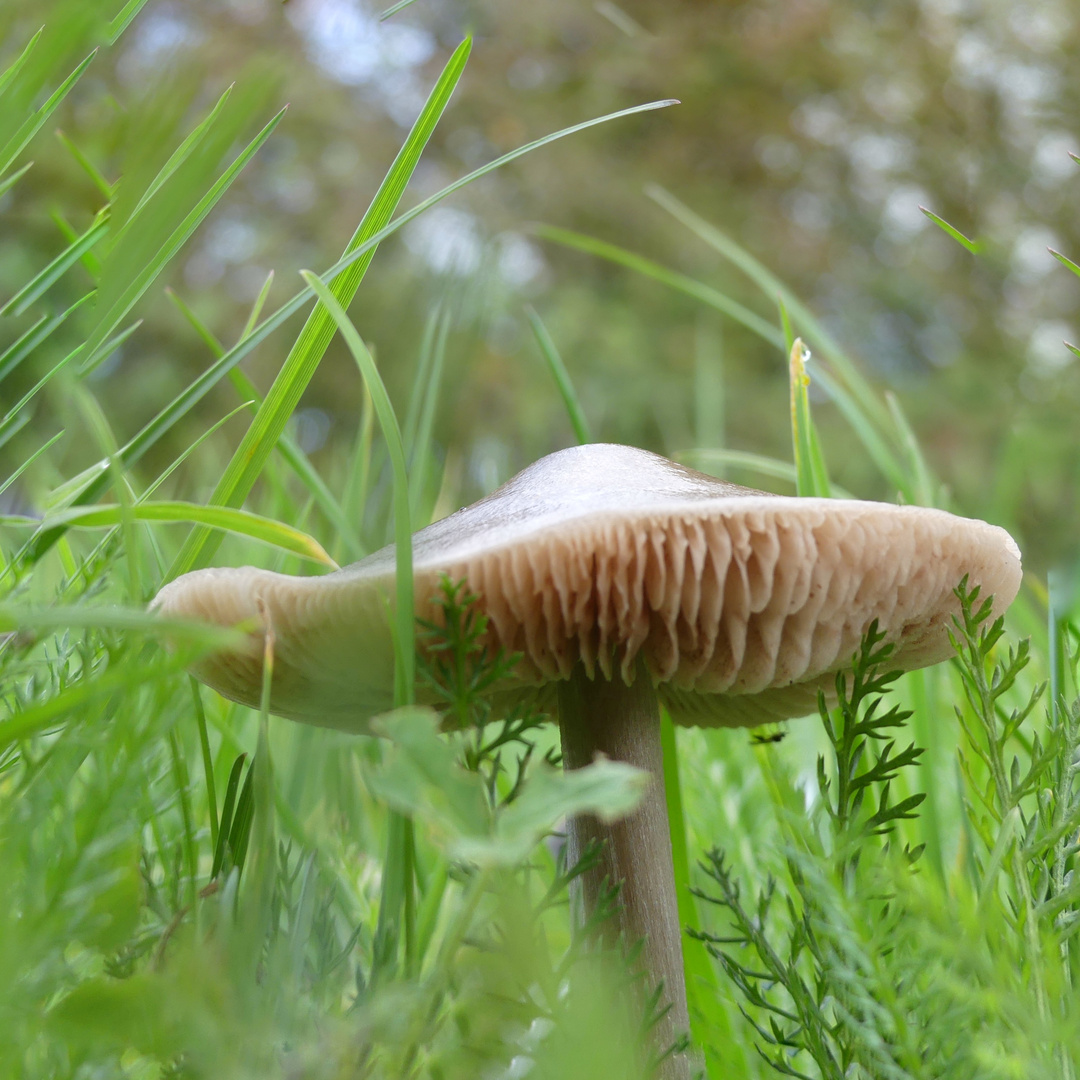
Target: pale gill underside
{"x":738,"y":611}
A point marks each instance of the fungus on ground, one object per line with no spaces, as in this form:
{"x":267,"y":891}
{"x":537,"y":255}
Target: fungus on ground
{"x":625,"y":581}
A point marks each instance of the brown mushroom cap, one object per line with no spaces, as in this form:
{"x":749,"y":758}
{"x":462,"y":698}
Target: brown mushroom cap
{"x":740,"y":604}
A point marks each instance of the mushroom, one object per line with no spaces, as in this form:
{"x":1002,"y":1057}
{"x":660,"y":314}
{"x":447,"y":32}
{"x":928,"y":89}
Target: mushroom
{"x":624,"y":581}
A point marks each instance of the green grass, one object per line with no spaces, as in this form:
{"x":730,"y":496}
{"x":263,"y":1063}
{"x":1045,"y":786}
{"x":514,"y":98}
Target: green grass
{"x":192,"y":888}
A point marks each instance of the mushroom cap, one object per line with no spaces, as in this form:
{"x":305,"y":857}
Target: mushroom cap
{"x":737,"y":604}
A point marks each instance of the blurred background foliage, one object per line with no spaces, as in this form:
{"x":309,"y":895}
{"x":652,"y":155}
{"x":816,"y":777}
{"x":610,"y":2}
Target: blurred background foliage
{"x":811,"y":132}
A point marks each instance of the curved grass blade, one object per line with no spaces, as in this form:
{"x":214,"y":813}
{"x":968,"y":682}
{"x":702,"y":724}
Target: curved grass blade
{"x":30,"y":461}
{"x":772,"y":286}
{"x":43,"y":281}
{"x":7,"y":184}
{"x":124,"y":19}
{"x":227,"y":519}
{"x":404,"y":646}
{"x":310,"y":347}
{"x":15,"y":618}
{"x":34,"y":123}
{"x":200,"y":387}
{"x":811,"y":476}
{"x":974,"y":246}
{"x":176,"y":240}
{"x":26,"y":343}
{"x":227,"y":810}
{"x":290,"y":450}
{"x":420,"y":451}
{"x":399,"y":6}
{"x":680,"y":282}
{"x":703,"y":458}
{"x":87,"y":166}
{"x":43,"y":717}
{"x":548,"y":350}
{"x":1065,"y":261}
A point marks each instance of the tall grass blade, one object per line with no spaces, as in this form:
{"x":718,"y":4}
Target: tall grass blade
{"x":30,"y":461}
{"x":28,"y":341}
{"x":34,"y":123}
{"x":241,"y":522}
{"x":420,"y":456}
{"x":124,"y":19}
{"x":811,"y":477}
{"x":290,"y":450}
{"x":305,"y":356}
{"x":129,"y":296}
{"x":9,"y":182}
{"x":200,"y":387}
{"x":773,"y":287}
{"x":562,"y":379}
{"x":404,"y":646}
{"x":974,"y":246}
{"x":680,"y":282}
{"x":43,"y":281}
{"x":87,"y":166}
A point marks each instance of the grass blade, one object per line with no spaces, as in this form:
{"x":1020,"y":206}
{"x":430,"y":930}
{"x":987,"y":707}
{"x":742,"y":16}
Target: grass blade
{"x":811,"y":477}
{"x":420,"y":452}
{"x":147,"y":273}
{"x":124,"y":19}
{"x":773,"y":287}
{"x":680,"y":282}
{"x":399,"y":6}
{"x":24,"y":345}
{"x":30,"y":461}
{"x":184,"y":402}
{"x":404,"y":647}
{"x":87,"y":166}
{"x":34,"y":123}
{"x":1065,"y":261}
{"x":9,"y":182}
{"x":227,"y":519}
{"x":227,"y":811}
{"x":43,"y":281}
{"x":303,"y":359}
{"x":561,"y":376}
{"x":704,"y":458}
{"x":974,"y":246}
{"x":290,"y":450}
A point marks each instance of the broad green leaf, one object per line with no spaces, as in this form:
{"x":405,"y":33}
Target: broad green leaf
{"x":607,"y":789}
{"x":421,"y":776}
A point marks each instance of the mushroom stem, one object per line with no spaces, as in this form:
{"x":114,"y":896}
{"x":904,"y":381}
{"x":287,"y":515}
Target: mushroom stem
{"x":623,"y":722}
